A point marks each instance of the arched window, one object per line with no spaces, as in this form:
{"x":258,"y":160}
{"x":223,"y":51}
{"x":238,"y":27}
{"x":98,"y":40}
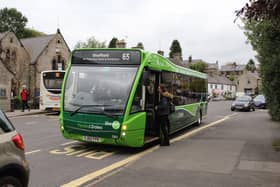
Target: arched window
{"x":8,"y":54}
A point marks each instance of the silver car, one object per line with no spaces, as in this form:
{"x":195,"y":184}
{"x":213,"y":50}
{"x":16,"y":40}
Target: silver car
{"x":14,"y":169}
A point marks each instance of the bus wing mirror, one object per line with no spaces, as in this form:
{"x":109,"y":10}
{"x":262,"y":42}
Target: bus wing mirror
{"x":145,"y":78}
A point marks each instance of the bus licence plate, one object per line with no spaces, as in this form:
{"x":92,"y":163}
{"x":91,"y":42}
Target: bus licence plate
{"x":91,"y":139}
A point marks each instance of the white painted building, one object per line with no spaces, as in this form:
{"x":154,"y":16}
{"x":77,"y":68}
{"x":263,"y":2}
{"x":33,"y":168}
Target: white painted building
{"x":221,"y":86}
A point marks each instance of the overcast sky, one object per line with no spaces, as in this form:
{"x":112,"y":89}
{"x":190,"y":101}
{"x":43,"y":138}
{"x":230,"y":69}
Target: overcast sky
{"x":205,"y":29}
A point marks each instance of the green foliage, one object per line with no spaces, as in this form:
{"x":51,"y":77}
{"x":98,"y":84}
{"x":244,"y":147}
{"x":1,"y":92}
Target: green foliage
{"x":199,"y":66}
{"x":28,"y":33}
{"x":231,"y":77}
{"x":175,"y":48}
{"x":12,"y":20}
{"x":91,"y":43}
{"x":264,"y":36}
{"x":251,"y":66}
{"x":113,"y":43}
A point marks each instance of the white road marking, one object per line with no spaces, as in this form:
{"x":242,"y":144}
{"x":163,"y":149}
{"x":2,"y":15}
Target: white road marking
{"x":31,"y":152}
{"x":68,"y":143}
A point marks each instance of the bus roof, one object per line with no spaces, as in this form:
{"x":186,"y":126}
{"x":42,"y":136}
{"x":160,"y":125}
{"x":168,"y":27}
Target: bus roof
{"x":158,"y":62}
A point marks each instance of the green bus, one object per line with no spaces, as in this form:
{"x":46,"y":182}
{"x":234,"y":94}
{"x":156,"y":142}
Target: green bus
{"x":109,"y":96}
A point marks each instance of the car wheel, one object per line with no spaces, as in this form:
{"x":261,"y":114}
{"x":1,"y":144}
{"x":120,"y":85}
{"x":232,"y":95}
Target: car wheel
{"x":10,"y":181}
{"x":232,"y":109}
{"x":253,"y":108}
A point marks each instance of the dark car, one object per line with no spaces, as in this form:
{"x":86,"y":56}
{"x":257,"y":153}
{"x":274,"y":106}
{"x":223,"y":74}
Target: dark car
{"x":243,"y":103}
{"x":259,"y":101}
{"x":14,"y":169}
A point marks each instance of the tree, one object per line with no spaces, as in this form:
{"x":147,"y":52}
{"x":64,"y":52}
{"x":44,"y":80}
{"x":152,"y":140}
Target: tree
{"x":28,"y":33}
{"x":262,"y":28}
{"x":113,"y":43}
{"x":175,"y":48}
{"x":199,"y":66}
{"x":251,"y":66}
{"x":12,"y":20}
{"x":91,"y":43}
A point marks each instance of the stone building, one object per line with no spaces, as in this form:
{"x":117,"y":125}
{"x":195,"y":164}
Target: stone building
{"x":14,"y":60}
{"x":248,"y":83}
{"x":48,"y":52}
{"x":5,"y":87}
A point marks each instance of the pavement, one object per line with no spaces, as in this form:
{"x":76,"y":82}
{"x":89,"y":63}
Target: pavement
{"x":17,"y":113}
{"x":237,"y":152}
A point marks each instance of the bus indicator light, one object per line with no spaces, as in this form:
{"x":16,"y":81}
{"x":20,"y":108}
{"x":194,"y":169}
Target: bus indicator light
{"x":124,"y":127}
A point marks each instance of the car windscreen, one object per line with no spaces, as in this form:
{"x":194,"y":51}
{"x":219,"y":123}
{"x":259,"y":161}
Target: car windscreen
{"x":243,"y":99}
{"x":5,"y":124}
{"x":259,"y":98}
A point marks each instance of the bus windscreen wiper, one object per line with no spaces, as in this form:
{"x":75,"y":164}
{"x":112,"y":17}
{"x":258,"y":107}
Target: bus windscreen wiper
{"x":84,"y":106}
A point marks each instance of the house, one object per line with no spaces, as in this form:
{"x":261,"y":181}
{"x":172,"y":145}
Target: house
{"x":248,"y":83}
{"x":14,"y":60}
{"x":232,"y":69}
{"x":221,"y":86}
{"x":48,"y":52}
{"x":5,"y":87}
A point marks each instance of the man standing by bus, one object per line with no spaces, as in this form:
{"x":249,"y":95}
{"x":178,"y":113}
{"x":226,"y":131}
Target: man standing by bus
{"x":24,"y":98}
{"x":163,"y":110}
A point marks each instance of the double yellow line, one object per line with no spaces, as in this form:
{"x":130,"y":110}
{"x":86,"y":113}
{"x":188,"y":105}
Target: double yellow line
{"x":103,"y":171}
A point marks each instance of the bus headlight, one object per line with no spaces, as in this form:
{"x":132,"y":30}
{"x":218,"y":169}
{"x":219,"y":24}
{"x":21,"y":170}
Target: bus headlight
{"x":123,"y":133}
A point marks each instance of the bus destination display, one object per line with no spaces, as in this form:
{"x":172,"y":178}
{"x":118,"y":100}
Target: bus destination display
{"x":106,"y":57}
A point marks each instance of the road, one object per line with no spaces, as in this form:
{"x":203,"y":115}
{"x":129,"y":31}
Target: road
{"x":55,"y":161}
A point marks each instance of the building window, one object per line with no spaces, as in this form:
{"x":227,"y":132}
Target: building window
{"x":237,"y":82}
{"x":222,"y":86}
{"x":8,"y":54}
{"x":54,"y":67}
{"x":11,"y":40}
{"x":211,"y":86}
{"x":216,"y":86}
{"x":249,"y":81}
{"x":3,"y":92}
{"x":58,"y":41}
{"x":230,"y":88}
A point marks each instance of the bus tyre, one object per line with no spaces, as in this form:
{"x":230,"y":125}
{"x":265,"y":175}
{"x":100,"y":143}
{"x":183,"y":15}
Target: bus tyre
{"x":10,"y":181}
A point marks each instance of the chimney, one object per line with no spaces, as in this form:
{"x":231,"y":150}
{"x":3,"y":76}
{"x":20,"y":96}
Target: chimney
{"x":160,"y":52}
{"x":121,"y":44}
{"x":190,"y":58}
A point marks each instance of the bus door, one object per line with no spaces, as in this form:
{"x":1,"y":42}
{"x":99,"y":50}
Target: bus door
{"x":151,"y":100}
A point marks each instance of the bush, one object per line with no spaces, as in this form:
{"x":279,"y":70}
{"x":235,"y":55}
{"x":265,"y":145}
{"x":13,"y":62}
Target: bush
{"x":17,"y":102}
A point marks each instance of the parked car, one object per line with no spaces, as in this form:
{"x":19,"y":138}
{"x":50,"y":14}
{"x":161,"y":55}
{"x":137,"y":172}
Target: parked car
{"x":259,"y":101}
{"x":243,"y":103}
{"x":14,"y":169}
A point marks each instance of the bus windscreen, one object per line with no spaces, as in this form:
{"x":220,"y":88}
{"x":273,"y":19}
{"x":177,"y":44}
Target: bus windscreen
{"x":53,"y":81}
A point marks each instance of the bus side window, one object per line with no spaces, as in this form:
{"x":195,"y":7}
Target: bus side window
{"x":136,"y":105}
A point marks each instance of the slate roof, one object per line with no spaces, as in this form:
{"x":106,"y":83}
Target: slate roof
{"x":219,"y":80}
{"x":232,"y":67}
{"x":35,"y":46}
{"x":212,"y":66}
